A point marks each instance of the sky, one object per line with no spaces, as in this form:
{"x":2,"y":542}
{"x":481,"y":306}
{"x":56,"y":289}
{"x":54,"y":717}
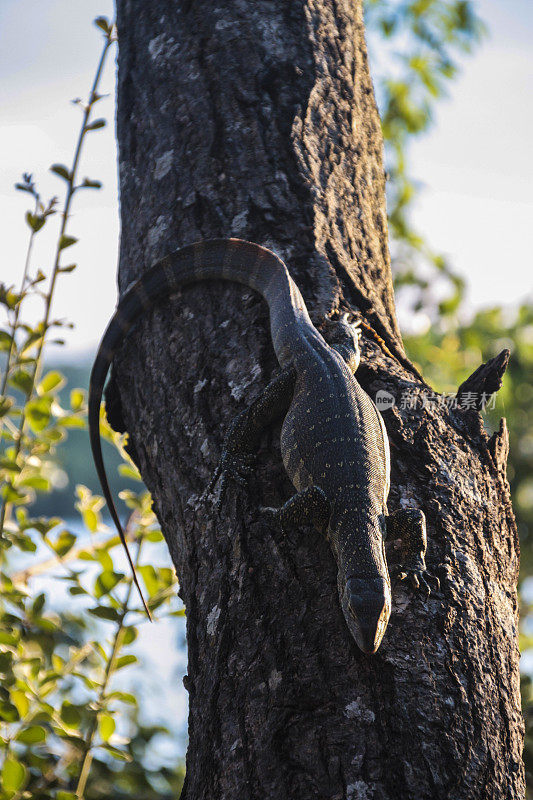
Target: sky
{"x":475,"y":163}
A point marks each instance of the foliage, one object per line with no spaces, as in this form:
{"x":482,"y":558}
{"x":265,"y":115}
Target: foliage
{"x":58,"y":707}
{"x":414,"y":46}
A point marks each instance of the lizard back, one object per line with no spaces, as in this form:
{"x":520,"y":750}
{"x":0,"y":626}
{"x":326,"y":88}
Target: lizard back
{"x":232,"y":259}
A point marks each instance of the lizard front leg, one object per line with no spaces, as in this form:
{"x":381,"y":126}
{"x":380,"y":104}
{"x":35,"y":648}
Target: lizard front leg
{"x":243,"y":434}
{"x":409,"y":525}
{"x":310,"y":506}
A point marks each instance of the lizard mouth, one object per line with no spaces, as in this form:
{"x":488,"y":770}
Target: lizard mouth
{"x":368,"y":604}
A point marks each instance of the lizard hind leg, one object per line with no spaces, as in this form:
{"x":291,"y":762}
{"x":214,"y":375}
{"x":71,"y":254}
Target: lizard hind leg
{"x":310,"y":506}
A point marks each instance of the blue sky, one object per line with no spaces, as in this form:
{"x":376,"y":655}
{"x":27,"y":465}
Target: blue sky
{"x":476,"y":162}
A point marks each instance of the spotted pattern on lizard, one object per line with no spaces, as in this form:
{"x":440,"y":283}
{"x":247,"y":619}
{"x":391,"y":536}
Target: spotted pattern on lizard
{"x":333,"y":440}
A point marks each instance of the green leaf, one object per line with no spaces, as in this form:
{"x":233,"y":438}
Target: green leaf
{"x":39,"y":277}
{"x":70,"y":714}
{"x":62,"y":171}
{"x":150,"y":578}
{"x":38,"y":604}
{"x":68,"y":268}
{"x":8,"y":711}
{"x":179,"y":613}
{"x":61,"y":795}
{"x":9,"y":466}
{"x":5,"y":340}
{"x":88,"y":183}
{"x":52,"y":380}
{"x":9,"y":638}
{"x":8,"y":297}
{"x":24,"y":543}
{"x":124,"y":697}
{"x":154,"y":536}
{"x":104,"y":24}
{"x":22,"y":380}
{"x":102,"y":555}
{"x":74,"y":590}
{"x":33,"y":338}
{"x":38,"y":482}
{"x":120,"y":755}
{"x":97,"y":123}
{"x":6,"y":403}
{"x":90,"y":519}
{"x":71,"y":422}
{"x":20,"y":701}
{"x":38,"y":413}
{"x":106,"y":582}
{"x":12,"y":495}
{"x":35,"y":221}
{"x":41,"y":524}
{"x":22,"y":187}
{"x":64,"y":543}
{"x":105,"y":612}
{"x":124,"y":661}
{"x":77,"y":399}
{"x":130,"y":634}
{"x":66,"y":241}
{"x":32,"y":735}
{"x":127,"y":471}
{"x":106,"y":726}
{"x":89,"y":683}
{"x":13,"y":776}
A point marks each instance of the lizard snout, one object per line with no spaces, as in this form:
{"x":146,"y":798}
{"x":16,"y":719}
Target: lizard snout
{"x":367,"y":610}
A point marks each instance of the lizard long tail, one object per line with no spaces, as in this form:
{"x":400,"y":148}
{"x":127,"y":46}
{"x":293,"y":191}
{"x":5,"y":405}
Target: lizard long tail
{"x":230,"y":259}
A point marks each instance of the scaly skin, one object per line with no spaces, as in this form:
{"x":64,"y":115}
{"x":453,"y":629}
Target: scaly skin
{"x":333,"y":440}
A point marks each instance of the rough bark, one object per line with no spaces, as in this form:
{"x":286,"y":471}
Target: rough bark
{"x":257,"y":119}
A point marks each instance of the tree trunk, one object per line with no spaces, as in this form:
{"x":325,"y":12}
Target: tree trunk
{"x":257,"y":119}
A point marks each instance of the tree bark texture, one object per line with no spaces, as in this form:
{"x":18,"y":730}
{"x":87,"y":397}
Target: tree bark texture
{"x":257,"y":119}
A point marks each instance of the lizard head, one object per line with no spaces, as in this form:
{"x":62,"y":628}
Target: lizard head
{"x":366,"y":603}
{"x":344,"y":332}
{"x":344,"y":336}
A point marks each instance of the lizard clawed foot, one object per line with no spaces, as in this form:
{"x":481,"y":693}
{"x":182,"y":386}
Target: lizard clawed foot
{"x":272,"y":516}
{"x":418,"y":578}
{"x":231,"y":467}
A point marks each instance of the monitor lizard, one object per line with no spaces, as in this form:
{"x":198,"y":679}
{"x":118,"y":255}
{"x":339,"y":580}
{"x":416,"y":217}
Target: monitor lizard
{"x":333,"y":440}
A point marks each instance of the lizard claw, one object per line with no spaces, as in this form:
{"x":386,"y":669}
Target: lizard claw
{"x":236,"y":468}
{"x":269,"y":513}
{"x":418,"y":578}
{"x":274,"y":518}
